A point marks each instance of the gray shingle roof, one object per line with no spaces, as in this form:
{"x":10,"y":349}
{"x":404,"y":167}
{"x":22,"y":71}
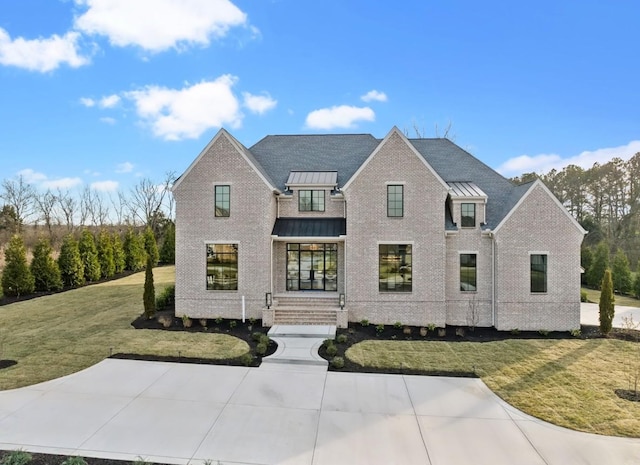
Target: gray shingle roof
{"x":277,"y":156}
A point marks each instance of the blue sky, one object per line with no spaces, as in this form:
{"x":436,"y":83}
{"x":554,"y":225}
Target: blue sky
{"x":100,"y":93}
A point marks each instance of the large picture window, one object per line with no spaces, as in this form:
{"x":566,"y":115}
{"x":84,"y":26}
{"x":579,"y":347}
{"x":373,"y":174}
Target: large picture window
{"x":395,"y":200}
{"x":311,"y":201}
{"x":222,"y":267}
{"x":468,"y":272}
{"x":223,"y":197}
{"x":468,"y":215}
{"x":394,"y":264}
{"x":538,"y":273}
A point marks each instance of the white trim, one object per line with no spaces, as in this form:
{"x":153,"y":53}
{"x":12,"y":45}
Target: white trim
{"x":393,"y":131}
{"x":539,"y":183}
{"x":398,"y":242}
{"x":395,"y":183}
{"x":309,"y":239}
{"x":239,"y":148}
{"x":205,"y":242}
{"x":537,"y":252}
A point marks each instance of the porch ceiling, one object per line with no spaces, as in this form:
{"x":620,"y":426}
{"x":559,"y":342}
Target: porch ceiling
{"x":310,"y":227}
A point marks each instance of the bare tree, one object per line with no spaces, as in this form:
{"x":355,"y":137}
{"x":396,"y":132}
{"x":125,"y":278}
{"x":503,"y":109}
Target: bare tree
{"x":18,"y":194}
{"x":85,"y":206}
{"x":45,"y":204}
{"x":68,"y":205}
{"x":147,"y":200}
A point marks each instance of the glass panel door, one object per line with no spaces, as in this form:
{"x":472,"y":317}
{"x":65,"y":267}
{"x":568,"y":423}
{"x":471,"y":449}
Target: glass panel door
{"x":312,"y":267}
{"x":306,"y":269}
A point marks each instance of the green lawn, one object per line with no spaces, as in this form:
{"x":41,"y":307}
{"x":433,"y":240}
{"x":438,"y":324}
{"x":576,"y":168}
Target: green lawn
{"x":593,"y":295}
{"x":60,"y":334}
{"x":568,"y":382}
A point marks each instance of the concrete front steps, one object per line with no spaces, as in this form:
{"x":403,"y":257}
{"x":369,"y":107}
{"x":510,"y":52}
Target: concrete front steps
{"x":298,"y":346}
{"x":306,"y":309}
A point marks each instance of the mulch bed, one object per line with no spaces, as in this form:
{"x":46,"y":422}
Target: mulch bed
{"x":51,"y":459}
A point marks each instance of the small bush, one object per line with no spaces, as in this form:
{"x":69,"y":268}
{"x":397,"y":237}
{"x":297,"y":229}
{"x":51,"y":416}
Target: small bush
{"x":257,"y":336}
{"x":203,"y":322}
{"x":252,"y":321}
{"x":246,"y":359}
{"x":332,"y":350}
{"x":264,"y":339}
{"x":364,"y":322}
{"x":431,"y":327}
{"x":261,"y":348}
{"x":218,"y":320}
{"x":166,"y":298}
{"x":186,"y":321}
{"x":75,"y":461}
{"x":543,"y":332}
{"x":576,"y":332}
{"x":583,"y":296}
{"x":341,"y":338}
{"x":397,"y":325}
{"x":407,"y":330}
{"x":515,"y":331}
{"x":337,"y":362}
{"x":233,"y":324}
{"x":165,"y":320}
{"x":16,"y":457}
{"x":379,"y":328}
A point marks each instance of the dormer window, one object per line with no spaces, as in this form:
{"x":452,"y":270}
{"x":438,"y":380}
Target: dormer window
{"x":468,"y":215}
{"x":311,"y":201}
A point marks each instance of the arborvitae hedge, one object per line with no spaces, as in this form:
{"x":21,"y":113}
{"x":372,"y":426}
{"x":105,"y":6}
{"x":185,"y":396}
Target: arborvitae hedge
{"x":17,"y":279}
{"x":607,"y":303}
{"x":71,"y":267}
{"x":45,"y":270}
{"x":134,"y":253}
{"x":149,"y":295}
{"x":150,"y":245}
{"x":168,"y":249}
{"x":89,"y":256}
{"x":118,"y":253}
{"x":105,"y":254}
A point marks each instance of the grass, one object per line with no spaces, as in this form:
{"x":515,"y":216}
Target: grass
{"x":568,"y":382}
{"x":593,"y":295}
{"x":56,"y":335}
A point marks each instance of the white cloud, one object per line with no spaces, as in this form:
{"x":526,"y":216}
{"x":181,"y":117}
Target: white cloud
{"x":108,"y":120}
{"x":109,"y":101}
{"x":374,"y":95}
{"x":105,"y":186}
{"x":62,"y":183}
{"x":176,"y":114}
{"x":125,"y":167}
{"x":259,"y":104}
{"x":42,"y":54}
{"x":543,"y":163}
{"x":87,"y":102}
{"x":342,"y":116}
{"x":32,"y":177}
{"x":157,"y":25}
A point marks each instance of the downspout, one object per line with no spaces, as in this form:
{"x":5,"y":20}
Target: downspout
{"x":493,"y":279}
{"x":271,"y":269}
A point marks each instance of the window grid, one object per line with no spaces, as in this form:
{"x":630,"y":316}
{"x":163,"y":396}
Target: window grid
{"x":223,"y":200}
{"x":395,"y":201}
{"x":311,"y":200}
{"x":468,"y":215}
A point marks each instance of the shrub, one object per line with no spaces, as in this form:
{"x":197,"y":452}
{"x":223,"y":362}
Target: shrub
{"x":75,"y":461}
{"x":89,"y":256}
{"x":257,"y":336}
{"x":621,"y":273}
{"x":598,"y":266}
{"x":341,"y":338}
{"x":583,"y":296}
{"x":168,"y":249}
{"x":515,"y":331}
{"x":431,"y":327}
{"x":337,"y":362}
{"x":119,"y":261}
{"x":150,"y":245}
{"x":218,"y":320}
{"x":264,"y":339}
{"x":71,"y":267}
{"x":186,"y":321}
{"x":149,"y":295}
{"x":166,"y":298}
{"x":134,"y":254}
{"x":576,"y":333}
{"x":104,"y":247}
{"x":607,"y":303}
{"x":397,"y":325}
{"x":17,"y":279}
{"x":165,"y":320}
{"x":261,"y":348}
{"x":543,"y":332}
{"x":246,"y":359}
{"x":364,"y":322}
{"x":332,"y":350}
{"x":379,"y":328}
{"x":233,"y":324}
{"x":45,"y":270}
{"x":16,"y":457}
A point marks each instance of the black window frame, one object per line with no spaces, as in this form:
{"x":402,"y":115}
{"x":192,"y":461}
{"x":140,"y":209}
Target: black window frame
{"x":222,"y":200}
{"x":469,"y":279}
{"x":219,"y":275}
{"x":538,"y":267}
{"x":468,"y":223}
{"x":316,"y":203}
{"x":395,"y":262}
{"x":395,"y":200}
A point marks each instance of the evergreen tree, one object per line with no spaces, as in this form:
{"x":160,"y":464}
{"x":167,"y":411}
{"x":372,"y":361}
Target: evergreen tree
{"x":598,"y":266}
{"x":134,"y":254}
{"x":586,"y":258}
{"x":70,"y":263}
{"x":118,"y":253}
{"x":636,"y":282}
{"x":149,"y":296}
{"x":89,"y":256}
{"x":17,"y":279}
{"x":168,"y":249}
{"x":45,"y":270}
{"x":621,"y":273}
{"x":150,"y":245}
{"x":105,"y":254}
{"x":607,"y":303}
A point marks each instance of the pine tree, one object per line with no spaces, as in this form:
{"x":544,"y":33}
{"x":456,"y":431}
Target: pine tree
{"x":168,"y":249}
{"x":105,"y":254}
{"x":70,"y":263}
{"x":598,"y":266}
{"x":17,"y":279}
{"x":636,"y":282}
{"x":89,"y":256}
{"x":586,"y":258}
{"x":149,"y":296}
{"x":150,"y":245}
{"x":134,"y":254}
{"x":607,"y":303}
{"x":45,"y":270}
{"x":118,"y":253}
{"x":621,"y":273}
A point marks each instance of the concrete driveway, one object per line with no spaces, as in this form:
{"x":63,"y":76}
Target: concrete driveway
{"x":284,"y":414}
{"x":590,"y":315}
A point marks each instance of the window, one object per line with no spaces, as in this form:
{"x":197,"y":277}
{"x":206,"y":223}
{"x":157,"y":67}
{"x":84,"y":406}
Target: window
{"x":468,"y":215}
{"x":394,"y":264}
{"x":538,"y":273}
{"x":311,"y":201}
{"x":222,"y":267}
{"x":468,"y":275}
{"x":223,"y":194}
{"x":395,"y":207}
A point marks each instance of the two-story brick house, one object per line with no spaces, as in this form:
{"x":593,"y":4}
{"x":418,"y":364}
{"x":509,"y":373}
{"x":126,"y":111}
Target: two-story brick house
{"x":338,"y":228}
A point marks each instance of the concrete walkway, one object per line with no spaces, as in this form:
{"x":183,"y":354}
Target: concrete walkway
{"x":181,"y":413}
{"x":298,"y":345}
{"x":590,"y":315}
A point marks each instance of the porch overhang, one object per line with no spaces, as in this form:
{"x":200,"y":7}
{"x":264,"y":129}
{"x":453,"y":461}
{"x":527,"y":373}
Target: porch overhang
{"x":308,"y":228}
